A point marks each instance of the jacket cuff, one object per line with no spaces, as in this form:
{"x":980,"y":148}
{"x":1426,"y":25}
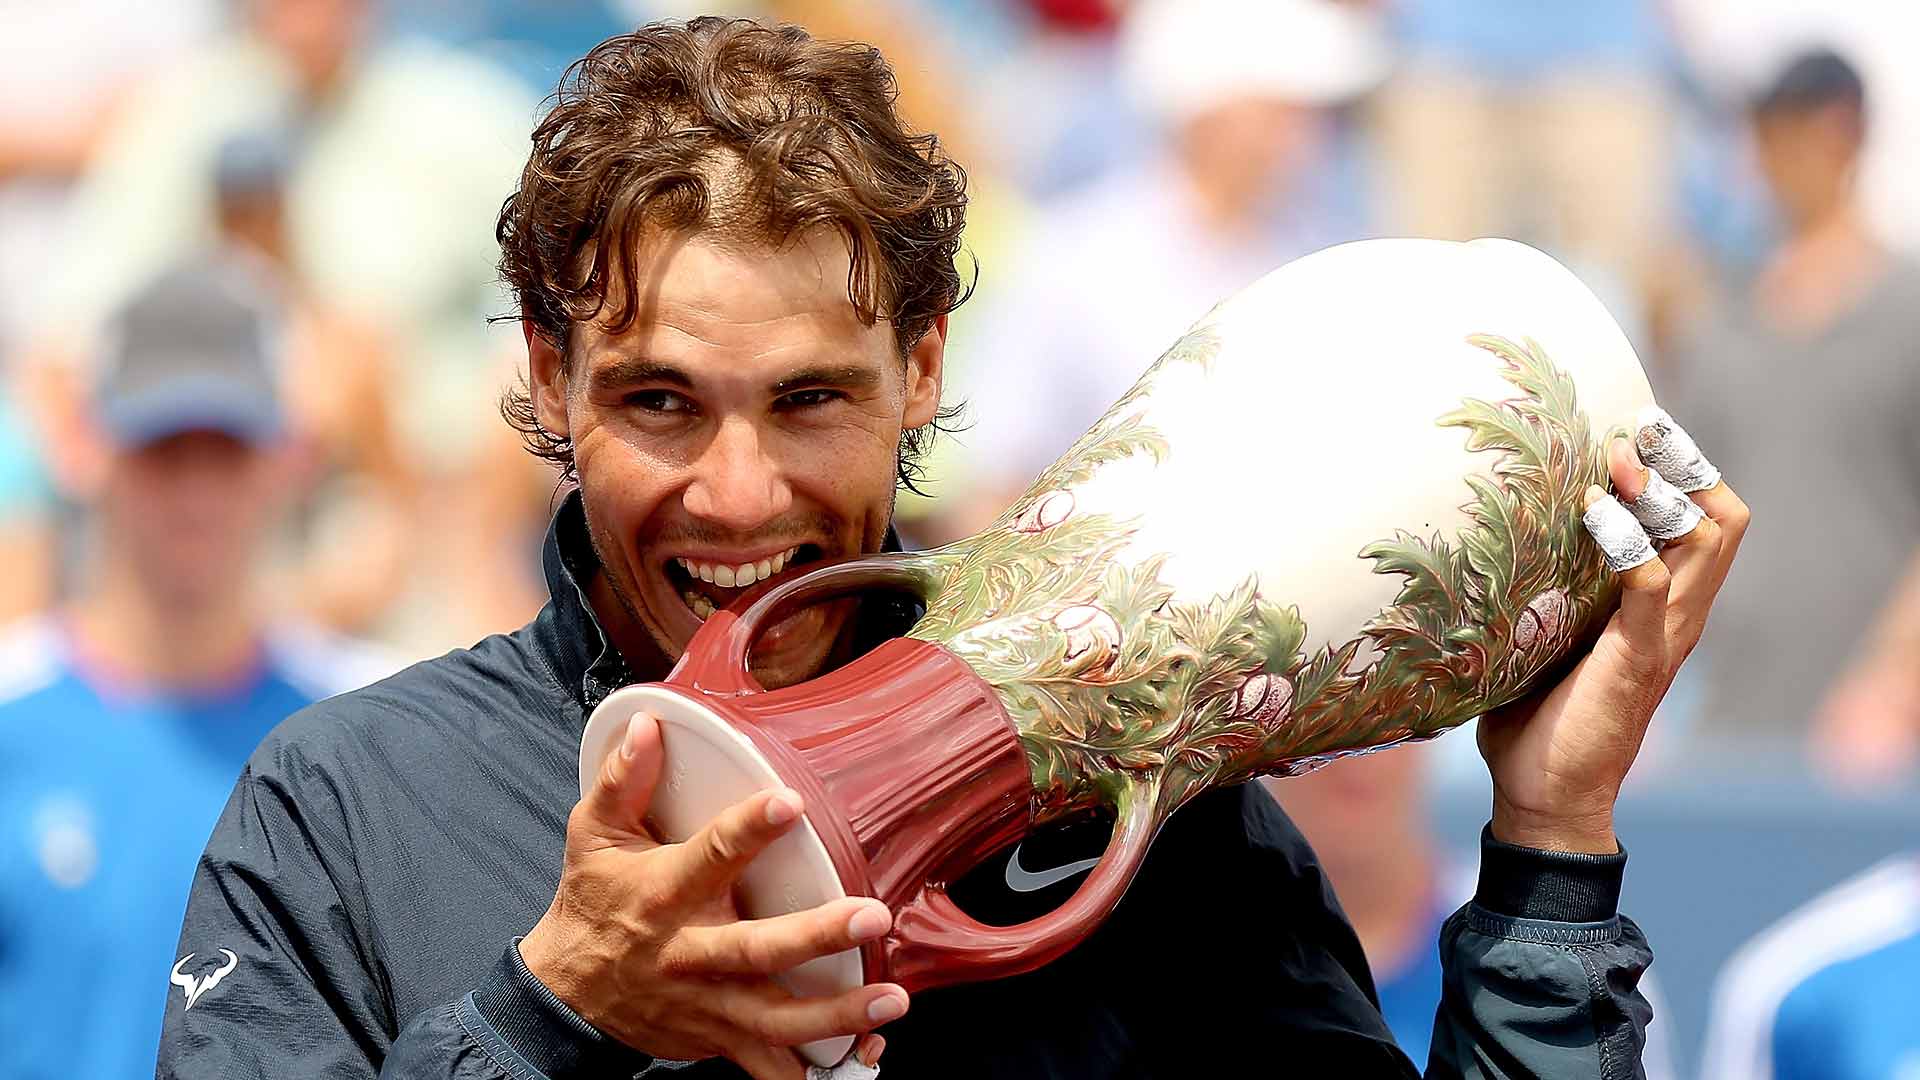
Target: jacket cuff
{"x":1552,"y":886}
{"x":548,"y":1035}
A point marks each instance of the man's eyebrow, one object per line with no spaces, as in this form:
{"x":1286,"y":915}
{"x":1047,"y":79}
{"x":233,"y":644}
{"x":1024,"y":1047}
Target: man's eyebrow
{"x":628,"y":370}
{"x":847,"y":377}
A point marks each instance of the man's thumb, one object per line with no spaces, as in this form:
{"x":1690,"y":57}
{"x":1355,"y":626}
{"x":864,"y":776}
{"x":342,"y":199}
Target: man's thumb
{"x":628,"y":774}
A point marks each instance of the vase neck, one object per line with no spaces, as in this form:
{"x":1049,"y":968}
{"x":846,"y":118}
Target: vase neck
{"x":914,"y":759}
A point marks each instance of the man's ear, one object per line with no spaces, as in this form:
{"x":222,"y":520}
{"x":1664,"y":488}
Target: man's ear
{"x":546,"y":380}
{"x":926,"y":369}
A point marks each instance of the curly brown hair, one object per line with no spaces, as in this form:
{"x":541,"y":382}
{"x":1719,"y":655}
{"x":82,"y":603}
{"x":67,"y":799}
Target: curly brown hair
{"x":726,"y":126}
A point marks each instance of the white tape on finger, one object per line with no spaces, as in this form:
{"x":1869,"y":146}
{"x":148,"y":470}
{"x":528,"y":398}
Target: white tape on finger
{"x":850,"y":1069}
{"x":1618,"y":533}
{"x":1666,"y":448}
{"x":1664,"y":511}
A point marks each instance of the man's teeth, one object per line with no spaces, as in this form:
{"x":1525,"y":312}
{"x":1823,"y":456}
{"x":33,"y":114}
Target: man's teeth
{"x":734,"y":577}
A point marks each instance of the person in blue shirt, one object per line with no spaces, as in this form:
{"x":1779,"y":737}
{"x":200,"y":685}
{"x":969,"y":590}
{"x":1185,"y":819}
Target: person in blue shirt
{"x":126,"y":713}
{"x":1831,"y":992}
{"x":1368,"y":818}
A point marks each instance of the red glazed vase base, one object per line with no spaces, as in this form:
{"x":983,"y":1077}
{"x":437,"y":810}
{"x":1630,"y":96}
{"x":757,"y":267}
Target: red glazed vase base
{"x":712,"y":766}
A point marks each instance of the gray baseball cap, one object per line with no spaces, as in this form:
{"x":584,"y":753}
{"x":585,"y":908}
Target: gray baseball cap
{"x":198,"y":349}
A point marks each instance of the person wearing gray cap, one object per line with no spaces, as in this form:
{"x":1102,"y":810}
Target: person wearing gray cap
{"x":126,"y":713}
{"x":193,"y":355}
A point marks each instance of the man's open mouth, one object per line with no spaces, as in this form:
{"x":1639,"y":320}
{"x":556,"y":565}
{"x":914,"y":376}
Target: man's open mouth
{"x":706,"y":587}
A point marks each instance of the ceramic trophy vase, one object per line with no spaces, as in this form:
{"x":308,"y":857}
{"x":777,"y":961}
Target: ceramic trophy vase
{"x":1341,"y":512}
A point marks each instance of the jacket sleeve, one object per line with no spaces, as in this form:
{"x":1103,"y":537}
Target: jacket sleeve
{"x":1542,"y":972}
{"x":277,"y":979}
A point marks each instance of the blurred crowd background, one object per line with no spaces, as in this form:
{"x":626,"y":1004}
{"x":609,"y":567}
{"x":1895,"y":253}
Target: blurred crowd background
{"x":250,"y":450}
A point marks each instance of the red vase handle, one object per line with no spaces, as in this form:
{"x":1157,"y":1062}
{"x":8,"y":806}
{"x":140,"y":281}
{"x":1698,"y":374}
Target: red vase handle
{"x":716,"y":660}
{"x":935,"y":943}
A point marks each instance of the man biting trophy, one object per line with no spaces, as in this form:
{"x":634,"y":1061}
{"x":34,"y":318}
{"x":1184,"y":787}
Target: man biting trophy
{"x":734,"y":267}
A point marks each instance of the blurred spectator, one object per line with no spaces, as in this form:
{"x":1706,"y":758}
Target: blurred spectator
{"x":396,"y":156}
{"x":65,"y":70}
{"x":126,"y":714}
{"x":1112,"y":275}
{"x":1830,"y":993}
{"x":354,"y":526}
{"x":1544,"y":122}
{"x":1807,"y":387}
{"x":26,"y":527}
{"x":1048,"y":86}
{"x":1735,"y":48}
{"x":1368,"y":820}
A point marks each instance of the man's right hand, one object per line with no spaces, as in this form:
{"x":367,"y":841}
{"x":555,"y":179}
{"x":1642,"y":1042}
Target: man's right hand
{"x":642,"y":939}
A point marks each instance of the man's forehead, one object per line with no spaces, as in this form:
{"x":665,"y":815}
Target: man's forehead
{"x":706,"y":280}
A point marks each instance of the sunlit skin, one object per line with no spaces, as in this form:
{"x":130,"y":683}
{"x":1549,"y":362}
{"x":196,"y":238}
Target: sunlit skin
{"x":183,"y":511}
{"x":1243,"y":156}
{"x":1809,"y":157}
{"x":163,"y":596}
{"x":316,"y":38}
{"x":747,"y":410}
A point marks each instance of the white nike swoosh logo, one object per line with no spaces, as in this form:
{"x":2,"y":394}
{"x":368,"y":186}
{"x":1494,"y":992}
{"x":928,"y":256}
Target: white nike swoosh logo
{"x":1022,"y":880}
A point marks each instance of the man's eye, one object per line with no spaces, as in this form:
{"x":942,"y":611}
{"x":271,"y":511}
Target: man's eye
{"x":807,"y":399}
{"x":659,"y":401}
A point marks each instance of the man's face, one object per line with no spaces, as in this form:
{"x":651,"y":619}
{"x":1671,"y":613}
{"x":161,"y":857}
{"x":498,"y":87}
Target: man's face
{"x":315,"y":37}
{"x":190,"y":511}
{"x":1808,"y":158}
{"x":1253,"y":148}
{"x":747,"y":419}
{"x":1361,"y":808}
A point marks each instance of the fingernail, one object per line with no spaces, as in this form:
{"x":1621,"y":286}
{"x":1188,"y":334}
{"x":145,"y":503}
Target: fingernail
{"x":887,"y":1007}
{"x":875,"y":1047}
{"x":782,"y":808}
{"x":869,"y":923}
{"x":627,"y":744}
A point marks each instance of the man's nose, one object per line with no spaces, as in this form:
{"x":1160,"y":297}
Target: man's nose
{"x":736,"y":484}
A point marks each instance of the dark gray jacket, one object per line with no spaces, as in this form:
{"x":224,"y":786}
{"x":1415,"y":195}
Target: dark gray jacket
{"x":384,"y":850}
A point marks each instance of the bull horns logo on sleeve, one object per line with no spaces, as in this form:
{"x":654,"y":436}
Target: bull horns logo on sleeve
{"x":194,"y":987}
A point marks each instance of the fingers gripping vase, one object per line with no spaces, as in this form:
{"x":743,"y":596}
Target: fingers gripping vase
{"x":1341,"y":512}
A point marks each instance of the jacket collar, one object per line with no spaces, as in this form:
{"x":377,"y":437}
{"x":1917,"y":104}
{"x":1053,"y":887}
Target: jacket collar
{"x":570,"y":636}
{"x":567,"y":631}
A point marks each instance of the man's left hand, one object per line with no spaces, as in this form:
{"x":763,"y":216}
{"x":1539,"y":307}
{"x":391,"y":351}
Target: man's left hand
{"x":1558,"y":757}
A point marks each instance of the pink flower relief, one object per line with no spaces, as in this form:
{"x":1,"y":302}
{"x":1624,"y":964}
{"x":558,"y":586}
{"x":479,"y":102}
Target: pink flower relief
{"x":1093,"y":637}
{"x":1543,"y":620}
{"x":1263,"y":699}
{"x":1045,"y":512}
